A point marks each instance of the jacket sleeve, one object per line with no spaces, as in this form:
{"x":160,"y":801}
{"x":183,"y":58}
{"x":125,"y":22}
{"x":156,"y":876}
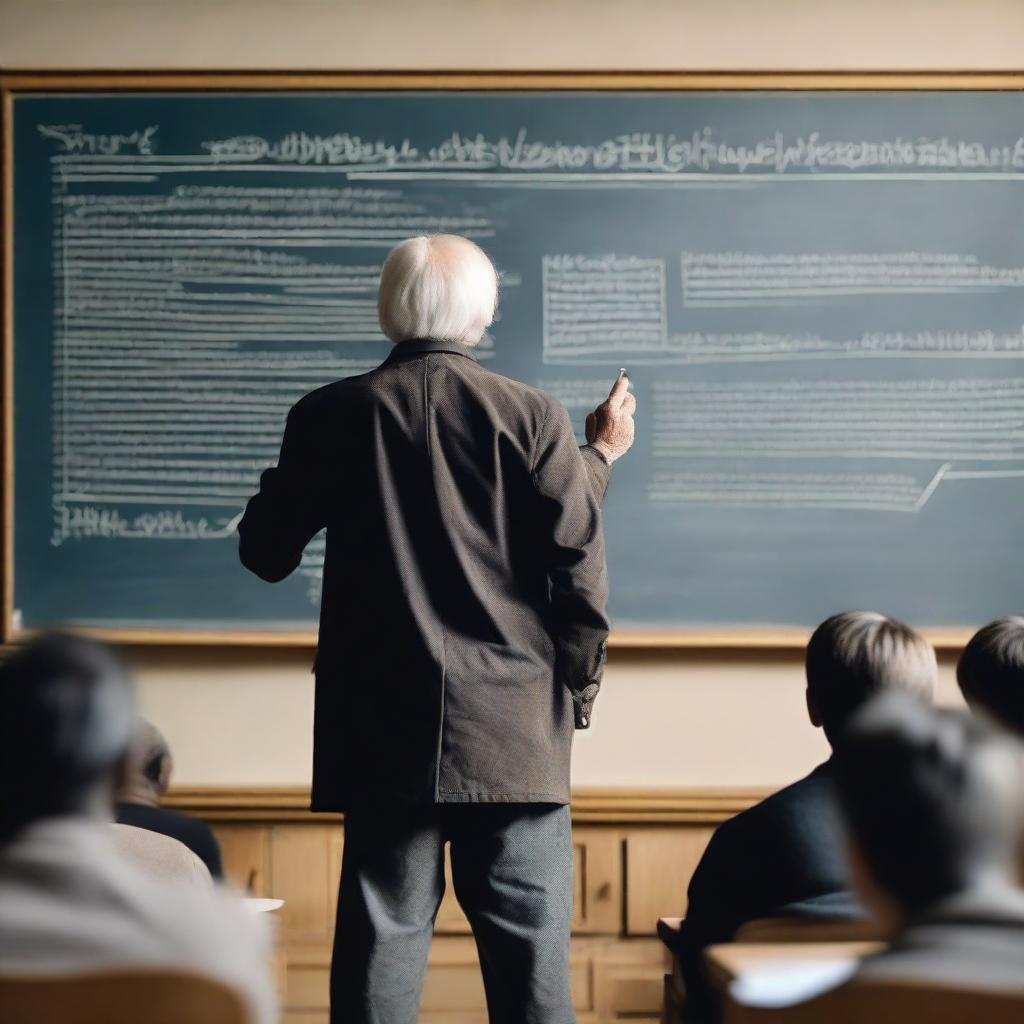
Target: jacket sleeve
{"x":576,"y":568}
{"x":598,"y":469}
{"x":288,"y":511}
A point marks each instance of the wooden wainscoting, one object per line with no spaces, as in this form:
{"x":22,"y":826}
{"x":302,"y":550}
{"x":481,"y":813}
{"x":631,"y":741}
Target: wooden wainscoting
{"x":634,"y":852}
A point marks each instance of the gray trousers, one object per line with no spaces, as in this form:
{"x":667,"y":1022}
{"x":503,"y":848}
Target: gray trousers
{"x":512,"y":873}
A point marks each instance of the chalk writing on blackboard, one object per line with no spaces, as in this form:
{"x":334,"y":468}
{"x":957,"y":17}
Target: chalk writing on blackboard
{"x":814,"y":293}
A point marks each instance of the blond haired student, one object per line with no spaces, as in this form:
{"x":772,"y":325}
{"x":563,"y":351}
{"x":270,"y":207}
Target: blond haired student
{"x":786,"y":853}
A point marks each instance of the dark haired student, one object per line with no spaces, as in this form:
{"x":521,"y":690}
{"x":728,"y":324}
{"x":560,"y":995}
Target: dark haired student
{"x":991,"y":672}
{"x":932,"y":800}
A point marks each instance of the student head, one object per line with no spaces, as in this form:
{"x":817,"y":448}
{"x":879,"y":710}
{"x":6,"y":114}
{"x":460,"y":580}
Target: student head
{"x":441,"y":287}
{"x":932,"y":801}
{"x":66,"y":727}
{"x":151,"y":765}
{"x":991,"y":672}
{"x":854,"y":655}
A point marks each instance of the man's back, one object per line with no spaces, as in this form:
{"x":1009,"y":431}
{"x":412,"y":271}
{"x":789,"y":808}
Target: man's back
{"x":195,"y":834}
{"x":464,"y":579}
{"x":69,"y":903}
{"x":783,"y":851}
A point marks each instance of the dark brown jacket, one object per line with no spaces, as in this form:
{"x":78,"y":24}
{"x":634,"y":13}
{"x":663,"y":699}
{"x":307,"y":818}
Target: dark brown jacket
{"x":462,"y":623}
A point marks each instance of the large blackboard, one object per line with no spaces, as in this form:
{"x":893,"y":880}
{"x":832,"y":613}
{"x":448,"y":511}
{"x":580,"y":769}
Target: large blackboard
{"x":819,"y":295}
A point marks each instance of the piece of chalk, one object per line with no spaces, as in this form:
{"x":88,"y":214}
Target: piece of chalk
{"x":622,"y":371}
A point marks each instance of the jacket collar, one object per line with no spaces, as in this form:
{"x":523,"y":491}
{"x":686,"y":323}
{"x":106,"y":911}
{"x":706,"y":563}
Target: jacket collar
{"x":425,"y":346}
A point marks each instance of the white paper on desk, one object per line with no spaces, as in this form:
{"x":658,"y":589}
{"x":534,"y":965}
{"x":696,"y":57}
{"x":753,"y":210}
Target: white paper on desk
{"x":258,"y":905}
{"x":793,"y":982}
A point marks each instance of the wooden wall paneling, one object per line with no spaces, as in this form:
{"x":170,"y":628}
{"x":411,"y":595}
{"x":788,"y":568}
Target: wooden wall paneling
{"x":634,"y":852}
{"x":335,"y":851}
{"x":618,"y":806}
{"x":581,"y":975}
{"x":454,"y":986}
{"x":309,"y":966}
{"x":303,"y":859}
{"x":597,"y":881}
{"x":245,"y":850}
{"x":478,"y":1016}
{"x":659,"y":863}
{"x":628,"y":979}
{"x":454,"y":983}
{"x":597,"y":871}
{"x":450,"y":919}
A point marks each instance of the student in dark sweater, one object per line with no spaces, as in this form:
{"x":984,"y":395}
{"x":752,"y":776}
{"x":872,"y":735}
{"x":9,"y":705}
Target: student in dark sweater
{"x":785,"y":855}
{"x":931,"y":800}
{"x":139,"y":804}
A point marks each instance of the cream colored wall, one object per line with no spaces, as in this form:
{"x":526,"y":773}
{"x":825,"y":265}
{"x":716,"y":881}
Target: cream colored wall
{"x":244,"y":717}
{"x":630,"y":34}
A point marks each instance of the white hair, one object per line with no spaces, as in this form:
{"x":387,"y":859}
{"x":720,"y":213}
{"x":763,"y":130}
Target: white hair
{"x":441,"y":287}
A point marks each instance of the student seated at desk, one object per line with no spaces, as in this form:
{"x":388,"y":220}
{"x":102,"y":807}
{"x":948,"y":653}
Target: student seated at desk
{"x":933,"y":803}
{"x":991,"y":672}
{"x":786,"y":853}
{"x":146,"y":786}
{"x":69,"y":903}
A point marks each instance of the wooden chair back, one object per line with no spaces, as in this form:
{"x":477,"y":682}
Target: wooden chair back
{"x":123,"y":997}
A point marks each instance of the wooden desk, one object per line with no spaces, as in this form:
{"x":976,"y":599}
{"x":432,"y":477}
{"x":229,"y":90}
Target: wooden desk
{"x":726,"y":962}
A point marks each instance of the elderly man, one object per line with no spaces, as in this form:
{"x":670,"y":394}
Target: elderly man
{"x":462,"y":638}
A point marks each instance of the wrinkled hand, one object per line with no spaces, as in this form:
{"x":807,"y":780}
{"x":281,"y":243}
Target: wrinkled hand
{"x":610,"y":426}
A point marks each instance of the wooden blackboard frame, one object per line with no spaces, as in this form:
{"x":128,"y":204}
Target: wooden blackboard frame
{"x":15,"y":82}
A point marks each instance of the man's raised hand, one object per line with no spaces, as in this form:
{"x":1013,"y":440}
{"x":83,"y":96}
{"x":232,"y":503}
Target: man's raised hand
{"x":610,"y":426}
